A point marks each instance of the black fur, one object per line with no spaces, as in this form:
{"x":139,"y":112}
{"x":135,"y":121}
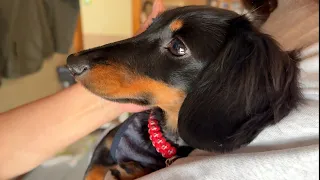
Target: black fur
{"x":237,"y":80}
{"x":259,"y":10}
{"x":250,"y":85}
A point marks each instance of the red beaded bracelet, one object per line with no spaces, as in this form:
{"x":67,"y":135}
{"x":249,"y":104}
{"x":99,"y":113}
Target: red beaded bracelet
{"x":158,"y":141}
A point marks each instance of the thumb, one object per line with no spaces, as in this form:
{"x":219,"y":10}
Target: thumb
{"x":157,"y":9}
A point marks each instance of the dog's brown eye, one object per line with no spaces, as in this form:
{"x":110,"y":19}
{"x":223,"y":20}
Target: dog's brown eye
{"x":177,"y":48}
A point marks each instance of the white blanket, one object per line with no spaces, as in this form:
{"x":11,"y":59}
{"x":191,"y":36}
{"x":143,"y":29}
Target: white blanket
{"x":288,"y":150}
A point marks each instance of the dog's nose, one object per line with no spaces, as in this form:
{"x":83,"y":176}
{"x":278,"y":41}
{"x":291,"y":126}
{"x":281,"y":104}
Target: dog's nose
{"x":77,"y":64}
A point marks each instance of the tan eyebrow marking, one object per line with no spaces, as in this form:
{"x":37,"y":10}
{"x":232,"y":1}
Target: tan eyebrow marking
{"x":176,"y":25}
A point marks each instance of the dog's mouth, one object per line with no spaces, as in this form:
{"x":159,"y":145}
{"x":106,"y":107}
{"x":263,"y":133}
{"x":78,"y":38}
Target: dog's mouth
{"x":115,"y":84}
{"x":75,"y":74}
{"x":137,"y":101}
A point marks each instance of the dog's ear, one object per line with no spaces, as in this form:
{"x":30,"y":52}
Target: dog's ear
{"x":250,"y":85}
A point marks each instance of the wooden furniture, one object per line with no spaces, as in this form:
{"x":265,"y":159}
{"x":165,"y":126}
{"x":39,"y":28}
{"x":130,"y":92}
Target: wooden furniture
{"x":136,"y":11}
{"x":78,"y":36}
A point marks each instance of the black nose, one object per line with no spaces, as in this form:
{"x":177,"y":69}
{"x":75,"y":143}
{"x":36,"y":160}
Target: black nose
{"x":77,"y":64}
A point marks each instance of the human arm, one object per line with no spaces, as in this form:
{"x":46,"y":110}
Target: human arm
{"x":32,"y":133}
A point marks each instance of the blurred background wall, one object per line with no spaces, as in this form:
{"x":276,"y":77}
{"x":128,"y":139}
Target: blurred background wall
{"x":105,"y":21}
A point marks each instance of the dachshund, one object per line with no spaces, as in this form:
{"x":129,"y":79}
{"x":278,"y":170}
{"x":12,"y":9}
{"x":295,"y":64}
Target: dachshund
{"x":213,"y":79}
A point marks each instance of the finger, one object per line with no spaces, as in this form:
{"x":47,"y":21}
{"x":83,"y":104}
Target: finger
{"x":155,"y":11}
{"x":157,"y":8}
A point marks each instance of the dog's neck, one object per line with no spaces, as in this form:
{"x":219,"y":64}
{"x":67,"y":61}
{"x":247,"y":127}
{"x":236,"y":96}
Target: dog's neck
{"x":168,"y":132}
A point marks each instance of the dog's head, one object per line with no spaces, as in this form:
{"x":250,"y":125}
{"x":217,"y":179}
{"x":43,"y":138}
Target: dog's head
{"x":218,"y":79}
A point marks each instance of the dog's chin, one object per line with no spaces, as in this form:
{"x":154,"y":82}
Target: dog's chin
{"x":136,"y":100}
{"x":142,"y":100}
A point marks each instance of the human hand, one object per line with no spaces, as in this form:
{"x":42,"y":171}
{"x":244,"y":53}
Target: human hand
{"x":157,"y":9}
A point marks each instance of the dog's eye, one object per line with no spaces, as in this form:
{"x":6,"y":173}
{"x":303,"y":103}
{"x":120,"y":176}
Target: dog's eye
{"x":177,"y":47}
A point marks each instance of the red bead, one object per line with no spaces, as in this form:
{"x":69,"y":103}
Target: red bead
{"x":159,"y":141}
{"x":165,"y":146}
{"x":153,"y":129}
{"x":150,"y":126}
{"x":155,"y":136}
{"x":152,"y":122}
{"x":153,"y":144}
{"x":165,"y":155}
{"x":170,"y":153}
{"x":162,"y":147}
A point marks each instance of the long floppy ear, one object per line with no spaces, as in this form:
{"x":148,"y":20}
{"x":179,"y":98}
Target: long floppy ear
{"x":252,"y":84}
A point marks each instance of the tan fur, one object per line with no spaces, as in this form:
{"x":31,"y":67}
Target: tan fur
{"x":108,"y":142}
{"x":96,"y":173}
{"x":116,"y":81}
{"x":176,"y":25}
{"x":99,"y":172}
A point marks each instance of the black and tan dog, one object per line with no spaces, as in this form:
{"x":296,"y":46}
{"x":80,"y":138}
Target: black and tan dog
{"x":215,"y":82}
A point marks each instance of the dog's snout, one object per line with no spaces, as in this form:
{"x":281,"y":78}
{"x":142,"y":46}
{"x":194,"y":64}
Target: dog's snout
{"x":77,"y":64}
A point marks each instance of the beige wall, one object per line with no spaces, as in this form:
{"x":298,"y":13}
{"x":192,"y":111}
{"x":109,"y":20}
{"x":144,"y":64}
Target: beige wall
{"x":107,"y":17}
{"x":184,"y":2}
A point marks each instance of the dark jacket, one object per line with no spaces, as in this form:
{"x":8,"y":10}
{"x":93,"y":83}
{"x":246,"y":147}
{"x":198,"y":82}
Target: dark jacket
{"x":31,"y":30}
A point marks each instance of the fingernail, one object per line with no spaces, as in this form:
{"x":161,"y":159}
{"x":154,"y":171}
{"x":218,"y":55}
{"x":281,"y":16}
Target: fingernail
{"x":155,"y":5}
